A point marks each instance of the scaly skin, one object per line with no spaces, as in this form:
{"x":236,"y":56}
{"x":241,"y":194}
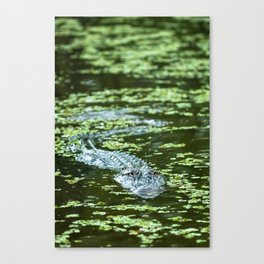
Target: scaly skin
{"x":134,"y":173}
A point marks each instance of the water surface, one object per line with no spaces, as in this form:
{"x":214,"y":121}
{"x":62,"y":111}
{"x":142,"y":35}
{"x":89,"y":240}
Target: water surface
{"x":139,"y":85}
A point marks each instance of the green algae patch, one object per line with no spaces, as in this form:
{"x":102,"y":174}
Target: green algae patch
{"x":172,"y":145}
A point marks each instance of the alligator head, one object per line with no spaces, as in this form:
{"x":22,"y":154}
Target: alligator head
{"x":143,"y":182}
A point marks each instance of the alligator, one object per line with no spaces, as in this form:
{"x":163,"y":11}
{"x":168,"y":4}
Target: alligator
{"x":134,"y":174}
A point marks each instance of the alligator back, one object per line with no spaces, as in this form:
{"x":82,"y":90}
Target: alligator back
{"x":105,"y":159}
{"x":113,"y":160}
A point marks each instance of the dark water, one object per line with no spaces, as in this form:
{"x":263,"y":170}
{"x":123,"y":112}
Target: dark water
{"x":139,"y":85}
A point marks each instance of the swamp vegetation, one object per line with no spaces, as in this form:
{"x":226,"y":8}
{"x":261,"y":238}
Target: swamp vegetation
{"x":139,"y":85}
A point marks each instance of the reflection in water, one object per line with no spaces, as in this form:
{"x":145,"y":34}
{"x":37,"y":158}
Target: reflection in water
{"x":141,"y":88}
